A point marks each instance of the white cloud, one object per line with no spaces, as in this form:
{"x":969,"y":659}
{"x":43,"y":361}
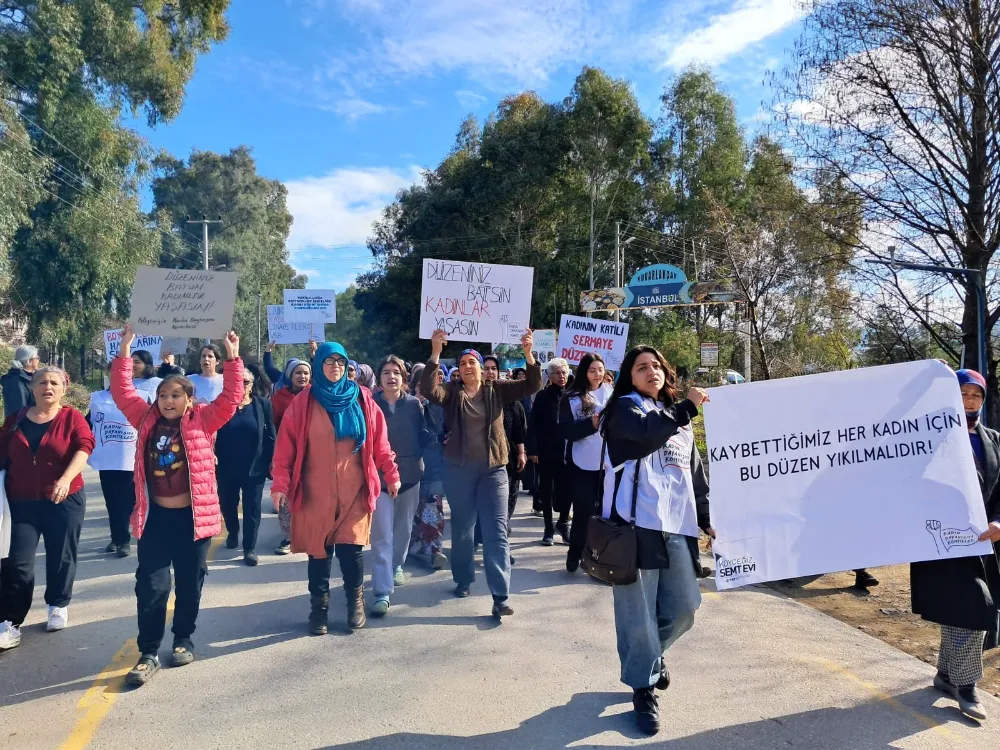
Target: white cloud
{"x":354,"y":109}
{"x":730,"y":33}
{"x":518,"y":41}
{"x":339,"y":208}
{"x":469,"y":100}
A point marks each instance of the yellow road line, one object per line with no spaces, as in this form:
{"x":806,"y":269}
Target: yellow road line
{"x":933,"y":724}
{"x":102,"y":694}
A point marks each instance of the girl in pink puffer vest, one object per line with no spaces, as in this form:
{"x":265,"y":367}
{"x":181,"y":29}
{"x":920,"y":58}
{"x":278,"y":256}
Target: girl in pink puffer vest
{"x":177,"y":503}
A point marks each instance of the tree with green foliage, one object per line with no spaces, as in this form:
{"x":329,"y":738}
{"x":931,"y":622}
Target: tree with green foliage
{"x":251,"y":238}
{"x":70,"y":69}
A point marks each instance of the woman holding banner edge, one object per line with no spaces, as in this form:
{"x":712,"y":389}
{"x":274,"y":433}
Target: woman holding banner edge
{"x":652,"y":465}
{"x":476,"y":460}
{"x":962,"y":594}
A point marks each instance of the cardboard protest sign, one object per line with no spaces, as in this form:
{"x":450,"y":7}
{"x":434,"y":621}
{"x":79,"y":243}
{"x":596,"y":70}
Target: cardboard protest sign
{"x":179,"y":303}
{"x":840,"y":471}
{"x":475,"y":301}
{"x":282,"y":332}
{"x":512,"y":355}
{"x":317,"y":306}
{"x":112,"y":344}
{"x":579,"y":335}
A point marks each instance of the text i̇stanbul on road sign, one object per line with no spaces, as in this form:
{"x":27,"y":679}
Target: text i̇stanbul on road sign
{"x":659,"y":285}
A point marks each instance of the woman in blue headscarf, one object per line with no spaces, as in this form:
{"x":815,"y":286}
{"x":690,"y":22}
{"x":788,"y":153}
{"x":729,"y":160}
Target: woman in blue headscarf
{"x":332,"y":448}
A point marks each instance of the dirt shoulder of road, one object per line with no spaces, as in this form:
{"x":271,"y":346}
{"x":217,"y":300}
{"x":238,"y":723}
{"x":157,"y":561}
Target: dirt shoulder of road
{"x":884,"y":612}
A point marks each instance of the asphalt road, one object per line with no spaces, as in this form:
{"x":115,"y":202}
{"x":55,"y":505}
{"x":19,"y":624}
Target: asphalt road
{"x":757,"y":670}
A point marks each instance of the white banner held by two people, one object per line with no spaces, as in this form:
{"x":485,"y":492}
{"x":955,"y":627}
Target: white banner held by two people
{"x":840,"y":471}
{"x":475,"y":301}
{"x":179,"y":303}
{"x":281,"y":331}
{"x":581,"y":335}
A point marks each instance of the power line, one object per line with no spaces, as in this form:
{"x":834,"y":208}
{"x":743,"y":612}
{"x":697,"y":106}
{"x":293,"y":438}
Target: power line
{"x":64,"y":146}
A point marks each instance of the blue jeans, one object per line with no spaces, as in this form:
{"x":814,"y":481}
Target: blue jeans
{"x":390,"y":540}
{"x":478,"y":491}
{"x":653,"y":612}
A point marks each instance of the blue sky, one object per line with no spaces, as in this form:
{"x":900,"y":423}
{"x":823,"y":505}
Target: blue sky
{"x":346,"y":100}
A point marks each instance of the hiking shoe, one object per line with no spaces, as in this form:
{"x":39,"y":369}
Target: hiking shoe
{"x":398,"y":579}
{"x":647,"y":710}
{"x":381,"y":607}
{"x":182,"y":655}
{"x":284,"y":547}
{"x":10,"y":635}
{"x":664,"y":682}
{"x":439,"y":561}
{"x":864,"y":580}
{"x":502,"y":609}
{"x":462,"y":590}
{"x":968,"y":703}
{"x":232,"y":541}
{"x":547,"y":540}
{"x":111,"y":547}
{"x":124,"y":550}
{"x":143,"y":671}
{"x":58,"y":619}
{"x":250,"y":558}
{"x":562,"y":529}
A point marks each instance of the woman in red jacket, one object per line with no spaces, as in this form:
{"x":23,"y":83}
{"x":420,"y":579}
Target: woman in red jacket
{"x":332,"y":446}
{"x":176,"y":502}
{"x":44,"y":448}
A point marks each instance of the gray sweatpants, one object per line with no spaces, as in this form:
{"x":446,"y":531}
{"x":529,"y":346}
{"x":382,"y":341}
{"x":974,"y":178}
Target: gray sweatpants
{"x":478,"y":491}
{"x":391,"y":524}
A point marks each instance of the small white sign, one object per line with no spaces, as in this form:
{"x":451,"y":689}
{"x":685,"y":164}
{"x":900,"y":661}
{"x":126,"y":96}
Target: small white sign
{"x":581,"y":335}
{"x":310,"y":306}
{"x":475,"y":301}
{"x":709,"y":355}
{"x":282,"y":332}
{"x":173,"y":302}
{"x":839,"y":471}
{"x":113,"y":341}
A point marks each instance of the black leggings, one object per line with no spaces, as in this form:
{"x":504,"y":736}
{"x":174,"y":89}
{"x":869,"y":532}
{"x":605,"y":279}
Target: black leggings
{"x":352,"y":568}
{"x":584,"y":492}
{"x":59,"y":526}
{"x":118,"y":488}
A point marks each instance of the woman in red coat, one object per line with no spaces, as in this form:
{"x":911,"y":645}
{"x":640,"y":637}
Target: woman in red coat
{"x":332,"y":447}
{"x":175,"y":519}
{"x":44,"y":448}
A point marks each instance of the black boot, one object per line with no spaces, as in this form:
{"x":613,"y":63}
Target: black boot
{"x":647,"y":710}
{"x":356,"y":618}
{"x":318,"y":615}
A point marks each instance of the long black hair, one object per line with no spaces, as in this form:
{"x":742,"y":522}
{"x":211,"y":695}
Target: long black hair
{"x":261,"y":383}
{"x":148,"y":368}
{"x":580,"y":387}
{"x":624,"y":386}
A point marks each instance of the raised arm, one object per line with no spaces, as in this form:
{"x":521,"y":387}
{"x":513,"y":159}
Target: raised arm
{"x":436,"y":394}
{"x":123,"y":392}
{"x":272,"y":372}
{"x":220,"y":411}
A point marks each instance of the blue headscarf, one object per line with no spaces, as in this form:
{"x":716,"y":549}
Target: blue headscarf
{"x":340,"y":399}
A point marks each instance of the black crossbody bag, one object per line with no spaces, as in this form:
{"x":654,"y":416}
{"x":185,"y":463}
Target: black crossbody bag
{"x":611,"y":553}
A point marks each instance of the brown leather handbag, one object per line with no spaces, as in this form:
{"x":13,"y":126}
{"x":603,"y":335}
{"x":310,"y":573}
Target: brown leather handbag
{"x":611,"y":553}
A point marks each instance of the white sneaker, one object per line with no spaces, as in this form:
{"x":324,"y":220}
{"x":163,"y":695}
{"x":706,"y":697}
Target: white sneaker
{"x":10,"y":636}
{"x":58,"y":618}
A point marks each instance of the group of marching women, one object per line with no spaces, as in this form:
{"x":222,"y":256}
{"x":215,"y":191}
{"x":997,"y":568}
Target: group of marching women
{"x":361,"y":456}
